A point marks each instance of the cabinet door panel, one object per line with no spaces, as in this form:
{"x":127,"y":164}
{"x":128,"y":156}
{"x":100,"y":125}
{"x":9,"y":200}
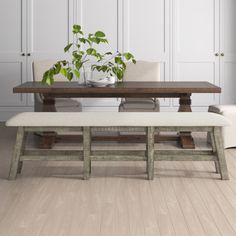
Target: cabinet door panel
{"x":195,"y":42}
{"x":228,"y":47}
{"x":10,"y":25}
{"x":145,"y":28}
{"x":12,"y":45}
{"x":100,"y":15}
{"x":146,"y":33}
{"x":11,"y":75}
{"x":49,"y":29}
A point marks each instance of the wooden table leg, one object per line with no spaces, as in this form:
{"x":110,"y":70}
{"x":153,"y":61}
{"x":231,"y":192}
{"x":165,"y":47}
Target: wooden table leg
{"x":48,"y":138}
{"x":185,"y":138}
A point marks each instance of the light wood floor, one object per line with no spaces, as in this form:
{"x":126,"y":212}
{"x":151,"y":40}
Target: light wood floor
{"x":51,"y":199}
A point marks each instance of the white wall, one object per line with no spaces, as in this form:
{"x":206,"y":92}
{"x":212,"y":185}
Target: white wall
{"x":183,"y":35}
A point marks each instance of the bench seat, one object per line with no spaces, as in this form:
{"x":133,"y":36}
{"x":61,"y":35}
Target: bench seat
{"x":106,"y":119}
{"x":128,"y":121}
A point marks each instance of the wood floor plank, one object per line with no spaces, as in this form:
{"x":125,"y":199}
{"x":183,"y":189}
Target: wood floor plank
{"x":134,"y":210}
{"x":192,"y":219}
{"x":160,"y":206}
{"x":146,"y":202}
{"x":225,"y":199}
{"x":221,"y":221}
{"x":176,"y":214}
{"x":207,"y":222}
{"x":109,"y":204}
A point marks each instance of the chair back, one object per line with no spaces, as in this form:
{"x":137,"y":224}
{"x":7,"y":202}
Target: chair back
{"x":39,"y":67}
{"x":142,"y":71}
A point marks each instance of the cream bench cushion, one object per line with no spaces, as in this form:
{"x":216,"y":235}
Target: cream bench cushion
{"x":229,"y":133}
{"x":139,"y":119}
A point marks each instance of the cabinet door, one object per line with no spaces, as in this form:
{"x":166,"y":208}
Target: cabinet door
{"x":195,"y":42}
{"x":93,"y":16}
{"x":228,"y":48}
{"x":146,"y":33}
{"x":12,"y":45}
{"x":49,"y":31}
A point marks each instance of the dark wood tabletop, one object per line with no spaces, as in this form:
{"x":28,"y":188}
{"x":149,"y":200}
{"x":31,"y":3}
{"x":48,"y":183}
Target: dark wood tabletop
{"x":124,"y":89}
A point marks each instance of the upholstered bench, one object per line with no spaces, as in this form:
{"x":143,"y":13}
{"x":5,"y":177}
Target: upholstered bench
{"x":113,"y":121}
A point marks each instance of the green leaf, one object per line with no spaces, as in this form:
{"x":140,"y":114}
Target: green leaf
{"x":96,"y":40}
{"x":63,"y":72}
{"x":48,"y":77}
{"x":91,"y":51}
{"x":82,"y":40}
{"x":49,"y":80}
{"x":76,"y":55}
{"x":45,"y":75}
{"x":134,"y":61}
{"x":57,"y":68}
{"x":68,"y":47}
{"x":70,"y":76}
{"x":108,"y":53}
{"x":100,"y":34}
{"x":98,"y":68}
{"x":104,"y":40}
{"x":119,"y":74}
{"x":104,"y":68}
{"x":128,"y":56}
{"x":76,"y":29}
{"x":118,"y":60}
{"x":64,"y":63}
{"x":78,"y":65}
{"x":77,"y":73}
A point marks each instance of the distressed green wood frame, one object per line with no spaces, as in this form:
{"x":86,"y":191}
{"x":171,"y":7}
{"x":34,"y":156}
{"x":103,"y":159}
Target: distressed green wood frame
{"x":149,"y":155}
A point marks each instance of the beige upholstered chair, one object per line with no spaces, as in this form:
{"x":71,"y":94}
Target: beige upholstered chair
{"x":61,"y":104}
{"x":140,"y":72}
{"x":228,"y":132}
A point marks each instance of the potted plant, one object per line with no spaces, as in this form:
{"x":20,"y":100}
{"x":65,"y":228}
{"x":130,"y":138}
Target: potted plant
{"x":84,"y":52}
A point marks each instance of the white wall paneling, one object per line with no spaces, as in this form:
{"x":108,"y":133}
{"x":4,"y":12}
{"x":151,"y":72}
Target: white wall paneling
{"x":146,"y":33}
{"x":100,"y":15}
{"x":195,"y":44}
{"x":186,"y":36}
{"x":12,"y":45}
{"x":228,"y":48}
{"x":48,"y":31}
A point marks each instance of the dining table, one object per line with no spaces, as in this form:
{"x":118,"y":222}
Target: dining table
{"x":171,"y":89}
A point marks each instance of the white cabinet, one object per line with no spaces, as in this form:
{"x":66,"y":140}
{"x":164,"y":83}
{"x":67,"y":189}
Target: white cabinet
{"x":48,"y":31}
{"x":100,"y":15}
{"x":195,"y":44}
{"x":30,"y":31}
{"x":12,"y":47}
{"x":146,"y":33}
{"x":204,"y":35}
{"x":228,"y":51}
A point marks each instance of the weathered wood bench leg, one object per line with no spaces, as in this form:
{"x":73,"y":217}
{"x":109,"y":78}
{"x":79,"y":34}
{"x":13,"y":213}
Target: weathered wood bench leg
{"x":20,"y":164}
{"x":17,"y":153}
{"x":150,"y":152}
{"x":220,"y":153}
{"x":87,"y":150}
{"x":212,"y":141}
